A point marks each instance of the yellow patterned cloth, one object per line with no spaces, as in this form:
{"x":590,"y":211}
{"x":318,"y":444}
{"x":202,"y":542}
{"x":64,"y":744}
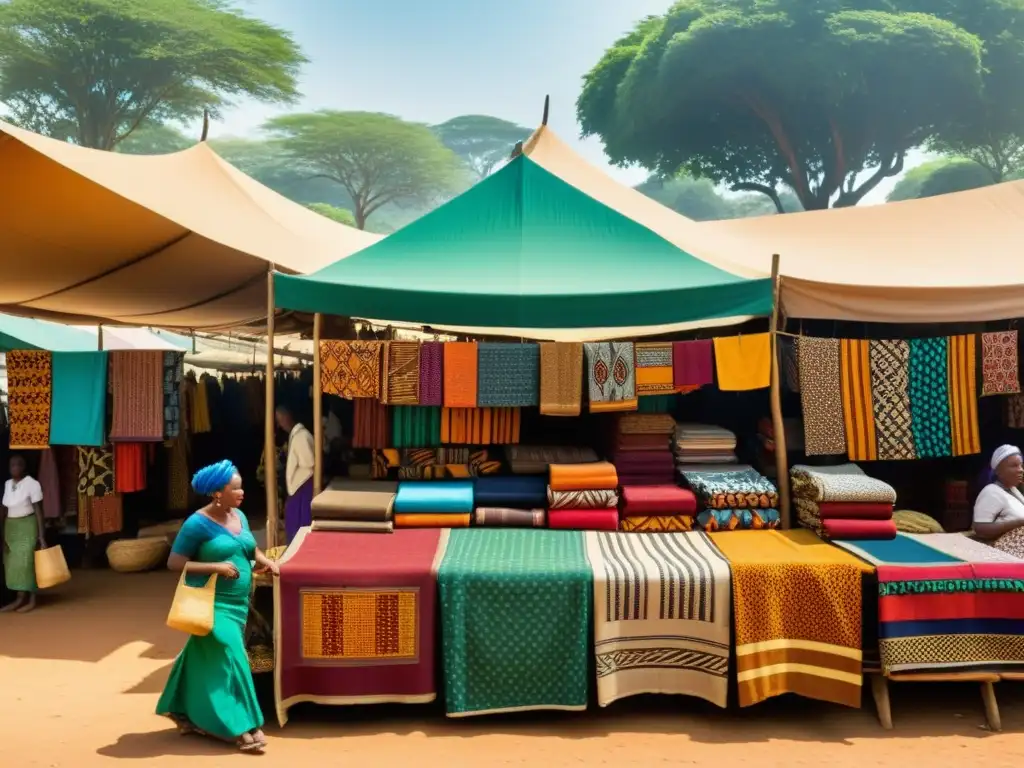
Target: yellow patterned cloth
{"x":359,"y":625}
{"x":654,"y":368}
{"x":29,"y":389}
{"x":401,"y":373}
{"x":638,"y":524}
{"x":350,"y":369}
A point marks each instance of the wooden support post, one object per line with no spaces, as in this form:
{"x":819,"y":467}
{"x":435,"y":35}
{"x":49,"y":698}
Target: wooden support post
{"x":988,"y":696}
{"x":880,"y":693}
{"x":318,"y":420}
{"x":778,"y":426}
{"x":99,"y":337}
{"x":270,"y":423}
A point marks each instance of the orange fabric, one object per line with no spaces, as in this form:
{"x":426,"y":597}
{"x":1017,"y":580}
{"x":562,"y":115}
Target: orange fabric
{"x":595,"y":476}
{"x":460,"y":374}
{"x":480,"y":426}
{"x":129,"y":467}
{"x":615,"y":406}
{"x":432,"y":521}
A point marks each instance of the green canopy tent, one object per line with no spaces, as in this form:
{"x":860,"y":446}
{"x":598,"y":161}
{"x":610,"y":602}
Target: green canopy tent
{"x":27,"y":333}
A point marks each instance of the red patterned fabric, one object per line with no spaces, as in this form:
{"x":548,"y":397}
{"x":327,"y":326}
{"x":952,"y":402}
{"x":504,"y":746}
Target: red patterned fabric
{"x":999,"y":363}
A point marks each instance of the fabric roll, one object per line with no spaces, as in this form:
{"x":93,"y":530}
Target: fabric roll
{"x":599,"y":475}
{"x":929,"y":398}
{"x":535,"y":459}
{"x":460,"y":374}
{"x":370,"y":424}
{"x":353,"y":526}
{"x":738,"y":519}
{"x":366,"y":501}
{"x":79,"y":408}
{"x":432,"y":373}
{"x":858,"y":405}
{"x":401,"y":375}
{"x":584,"y":519}
{"x":740,"y":488}
{"x":654,"y":368}
{"x":692,"y":363}
{"x":845,"y":482}
{"x":453,"y":498}
{"x":963,"y":395}
{"x":890,"y":389}
{"x":137,"y":384}
{"x":432,"y":520}
{"x":743,"y":363}
{"x":509,"y":518}
{"x":658,"y":500}
{"x":508,"y":375}
{"x":615,"y":406}
{"x":646,"y":424}
{"x":523,"y":492}
{"x":821,"y":396}
{"x":350,"y":369}
{"x":561,"y":378}
{"x":611,"y":374}
{"x":999,"y":364}
{"x":129,"y":467}
{"x":828,"y":510}
{"x":582,"y":499}
{"x":656,"y":523}
{"x":855,"y":530}
{"x":29,"y":398}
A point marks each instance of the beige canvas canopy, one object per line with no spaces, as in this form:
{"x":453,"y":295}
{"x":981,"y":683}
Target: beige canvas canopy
{"x":182,"y":240}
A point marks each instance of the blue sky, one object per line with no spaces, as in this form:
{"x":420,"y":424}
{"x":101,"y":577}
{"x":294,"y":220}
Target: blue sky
{"x":430,"y":60}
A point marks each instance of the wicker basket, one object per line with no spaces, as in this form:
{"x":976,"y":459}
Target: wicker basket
{"x":261,"y":659}
{"x":137,"y":555}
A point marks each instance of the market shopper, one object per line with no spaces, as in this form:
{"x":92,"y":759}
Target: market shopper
{"x":298,"y":472}
{"x":999,"y":508}
{"x":210,"y":690}
{"x":23,"y":532}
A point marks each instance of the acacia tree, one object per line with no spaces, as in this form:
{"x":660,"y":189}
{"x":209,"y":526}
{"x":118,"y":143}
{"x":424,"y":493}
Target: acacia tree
{"x":483,"y":142}
{"x":806,"y":94}
{"x":377,"y":159}
{"x":93,"y":71}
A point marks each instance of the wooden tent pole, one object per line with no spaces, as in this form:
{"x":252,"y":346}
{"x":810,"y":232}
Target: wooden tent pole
{"x":270,"y":424}
{"x":99,"y":337}
{"x":318,"y":420}
{"x":778,"y":425}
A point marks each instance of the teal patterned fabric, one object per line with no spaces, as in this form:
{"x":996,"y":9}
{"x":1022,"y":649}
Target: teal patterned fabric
{"x":508,"y":375}
{"x":515,"y":617}
{"x":738,"y":519}
{"x":929,"y":398}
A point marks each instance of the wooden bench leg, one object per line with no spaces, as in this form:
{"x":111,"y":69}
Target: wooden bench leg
{"x":988,"y":695}
{"x":880,"y":692}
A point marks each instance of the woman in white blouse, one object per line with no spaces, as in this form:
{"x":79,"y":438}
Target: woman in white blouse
{"x":999,"y":508}
{"x":22,"y":519}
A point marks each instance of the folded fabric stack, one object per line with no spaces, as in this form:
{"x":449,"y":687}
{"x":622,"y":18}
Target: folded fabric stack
{"x":535,"y":459}
{"x":353,"y":505}
{"x":445,"y":504}
{"x":732,"y":497}
{"x":516,"y":502}
{"x":653,"y":508}
{"x":583,"y":497}
{"x":842,"y":502}
{"x":643,"y":454}
{"x":704,"y":444}
{"x":445,"y":463}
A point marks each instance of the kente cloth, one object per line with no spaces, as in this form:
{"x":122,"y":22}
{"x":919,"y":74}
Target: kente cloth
{"x":909,"y":521}
{"x":357,"y":628}
{"x":833,"y":510}
{"x":535,"y":459}
{"x":821,"y":396}
{"x":964,"y":547}
{"x":350,"y":369}
{"x":929,"y":398}
{"x":561,"y":378}
{"x":712,"y":520}
{"x":582,"y":499}
{"x":890,"y":393}
{"x":904,"y":549}
{"x":584,"y":519}
{"x":432,"y":520}
{"x":95,"y":471}
{"x":508,"y":375}
{"x":480,"y":426}
{"x":963,"y":395}
{"x":858,"y":405}
{"x":369,"y":423}
{"x":999,"y":364}
{"x":509,"y":517}
{"x":523,"y":492}
{"x":451,"y":498}
{"x":960,"y":617}
{"x":137,"y":384}
{"x":432,"y":373}
{"x":401,"y":373}
{"x":654,"y":368}
{"x":78,"y":410}
{"x":597,"y":476}
{"x":641,"y":443}
{"x":106,"y":514}
{"x":655,"y":524}
{"x":658,"y":500}
{"x":646,"y":424}
{"x":298,"y":510}
{"x":49,"y":481}
{"x":415,"y":426}
{"x":174,"y":375}
{"x":692,"y":363}
{"x":130,"y":467}
{"x":797,"y":609}
{"x":354,"y":526}
{"x":460,"y":374}
{"x":743,"y":488}
{"x":362,"y":500}
{"x":743,"y":362}
{"x":29,"y":393}
{"x":845,"y":482}
{"x":857,"y":530}
{"x":611,"y":373}
{"x":661,"y":615}
{"x":515,"y":620}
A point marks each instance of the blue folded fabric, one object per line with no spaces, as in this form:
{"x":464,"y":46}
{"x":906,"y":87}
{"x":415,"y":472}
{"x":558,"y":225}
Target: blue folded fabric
{"x":434,"y":498}
{"x":519,"y":492}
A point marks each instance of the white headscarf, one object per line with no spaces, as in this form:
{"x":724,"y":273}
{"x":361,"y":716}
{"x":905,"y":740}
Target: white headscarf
{"x":1002,"y":453}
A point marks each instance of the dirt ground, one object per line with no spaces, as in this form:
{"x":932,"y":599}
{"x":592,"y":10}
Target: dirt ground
{"x":79,"y":680}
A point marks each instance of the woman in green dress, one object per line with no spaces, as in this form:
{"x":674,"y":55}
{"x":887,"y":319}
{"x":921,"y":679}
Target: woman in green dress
{"x":210,"y":691}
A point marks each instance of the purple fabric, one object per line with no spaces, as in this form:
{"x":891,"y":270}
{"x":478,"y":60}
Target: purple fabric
{"x":298,"y":510}
{"x":431,"y":373}
{"x":692,"y":363}
{"x":645,"y":480}
{"x":644,"y":461}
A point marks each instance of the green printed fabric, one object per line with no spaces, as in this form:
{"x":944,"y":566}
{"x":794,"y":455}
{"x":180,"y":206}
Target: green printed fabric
{"x":949,"y":586}
{"x":929,"y":398}
{"x":515,"y":618}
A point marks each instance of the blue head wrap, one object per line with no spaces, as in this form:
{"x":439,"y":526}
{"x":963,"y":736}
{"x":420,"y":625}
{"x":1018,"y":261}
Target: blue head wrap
{"x":210,"y":479}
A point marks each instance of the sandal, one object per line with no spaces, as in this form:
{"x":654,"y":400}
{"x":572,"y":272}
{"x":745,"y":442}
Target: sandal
{"x":251,"y":746}
{"x":185,"y":727}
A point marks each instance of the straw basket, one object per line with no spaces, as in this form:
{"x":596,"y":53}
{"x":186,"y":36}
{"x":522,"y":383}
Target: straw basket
{"x":137,"y":555}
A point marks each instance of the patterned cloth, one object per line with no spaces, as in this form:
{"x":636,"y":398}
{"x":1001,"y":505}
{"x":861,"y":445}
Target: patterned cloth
{"x":350,"y":369}
{"x":401,"y":373}
{"x":137,"y":384}
{"x":508,"y":375}
{"x":432,"y":373}
{"x":745,"y":488}
{"x":1015,"y":411}
{"x":1011,"y":543}
{"x":738,"y":519}
{"x":95,"y":471}
{"x":929,"y":397}
{"x":654,"y":368}
{"x":29,"y":389}
{"x":846,"y":482}
{"x":587,"y":499}
{"x":656,"y":524}
{"x":480,"y":426}
{"x":106,"y":514}
{"x":890,"y":389}
{"x":821,"y":396}
{"x":999,"y":363}
{"x":611,"y":372}
{"x":174,"y":374}
{"x":661,"y":616}
{"x":512,"y":518}
{"x":460,"y":374}
{"x":858,"y":406}
{"x":515,"y":620}
{"x":963,"y":395}
{"x":370,"y":423}
{"x":561,"y":385}
{"x":964,"y":547}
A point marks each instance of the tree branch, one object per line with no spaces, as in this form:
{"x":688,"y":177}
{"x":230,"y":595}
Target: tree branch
{"x":764,"y":189}
{"x":890,"y":167}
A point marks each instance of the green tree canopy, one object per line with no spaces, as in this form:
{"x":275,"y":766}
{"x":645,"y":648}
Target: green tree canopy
{"x":483,"y":142}
{"x":699,"y":200}
{"x":154,"y":139}
{"x":938,"y":177}
{"x":804,"y":94}
{"x":340,"y":215}
{"x":377,"y":159}
{"x":92,"y":71}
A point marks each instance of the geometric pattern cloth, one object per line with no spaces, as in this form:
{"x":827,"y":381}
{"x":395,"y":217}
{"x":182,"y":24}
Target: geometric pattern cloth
{"x":821,"y":396}
{"x":358,"y":625}
{"x":929,"y":397}
{"x":350,"y":369}
{"x":999,"y":364}
{"x":890,"y":382}
{"x":29,"y":388}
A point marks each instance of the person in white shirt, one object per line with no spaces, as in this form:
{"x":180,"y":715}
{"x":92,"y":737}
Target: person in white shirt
{"x":298,"y":473}
{"x":22,"y":520}
{"x":999,"y":508}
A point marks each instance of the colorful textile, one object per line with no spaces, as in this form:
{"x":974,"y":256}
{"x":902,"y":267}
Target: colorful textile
{"x":908,"y":521}
{"x":535,"y":459}
{"x":137,"y":384}
{"x":692,"y":363}
{"x":298,"y":510}
{"x":655,"y":524}
{"x":350,"y":369}
{"x":646,"y":424}
{"x":454,"y":498}
{"x":831,"y":510}
{"x":174,"y":375}
{"x":401,"y":373}
{"x":999,"y":365}
{"x":846,"y":482}
{"x":857,"y":530}
{"x":584,"y":519}
{"x":95,"y":471}
{"x":743,"y":362}
{"x":600,"y":475}
{"x":480,"y":426}
{"x":78,"y":410}
{"x":963,"y":547}
{"x":106,"y":514}
{"x":904,"y":549}
{"x":738,"y":519}
{"x":743,"y":488}
{"x":130,"y":467}
{"x":582,"y":499}
{"x":508,"y":517}
{"x":460,"y":374}
{"x":661,"y":616}
{"x":929,"y":398}
{"x":432,"y":520}
{"x":654,"y":368}
{"x":561,"y":378}
{"x":521,"y":492}
{"x":359,"y":628}
{"x":432,"y":373}
{"x":368,"y":501}
{"x":890,"y":391}
{"x":29,"y":396}
{"x":370,"y":423}
{"x":797,"y":608}
{"x":858,"y":406}
{"x":515,"y":620}
{"x":20,"y":537}
{"x":508,"y":375}
{"x":963,"y":395}
{"x":414,"y":426}
{"x":821,"y":396}
{"x":658,"y":500}
{"x":611,"y":374}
